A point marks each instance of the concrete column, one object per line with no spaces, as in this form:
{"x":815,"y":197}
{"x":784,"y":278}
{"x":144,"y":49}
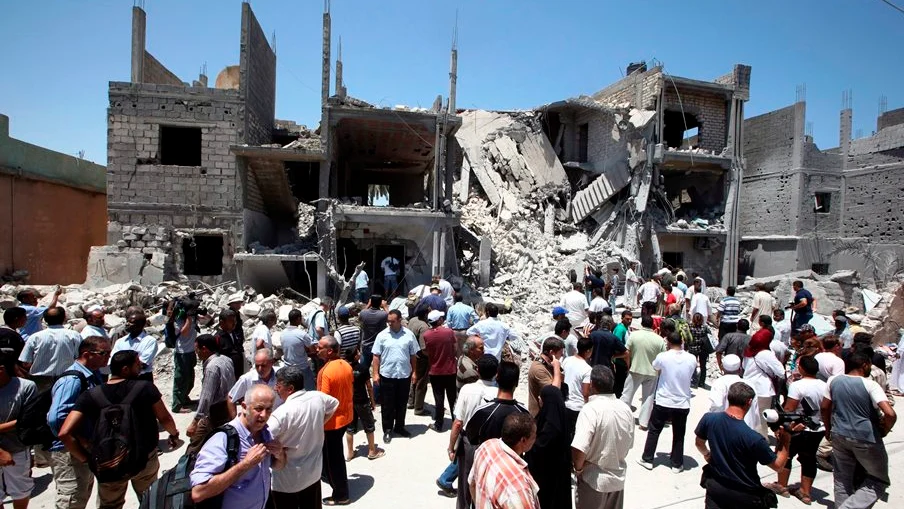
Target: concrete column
{"x":325,"y":77}
{"x":442,"y":253}
{"x":453,"y":81}
{"x":434,"y":264}
{"x":139,"y":24}
{"x":448,"y":147}
{"x":437,"y":166}
{"x":485,"y":258}
{"x":844,"y":136}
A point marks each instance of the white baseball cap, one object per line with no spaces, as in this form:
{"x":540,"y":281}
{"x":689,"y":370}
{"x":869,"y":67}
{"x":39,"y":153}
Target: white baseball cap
{"x":434,"y":316}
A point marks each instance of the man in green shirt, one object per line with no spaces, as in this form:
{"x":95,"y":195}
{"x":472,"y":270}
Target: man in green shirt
{"x":643,"y":346}
{"x":622,"y":331}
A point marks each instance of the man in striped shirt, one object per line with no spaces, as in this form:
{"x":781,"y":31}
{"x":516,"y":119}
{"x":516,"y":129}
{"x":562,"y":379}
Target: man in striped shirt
{"x":728,"y":312}
{"x":349,"y":336}
{"x":218,"y":379}
{"x":499,"y":477}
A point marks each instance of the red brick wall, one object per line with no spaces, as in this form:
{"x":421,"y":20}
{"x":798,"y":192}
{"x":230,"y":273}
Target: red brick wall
{"x":48,"y":229}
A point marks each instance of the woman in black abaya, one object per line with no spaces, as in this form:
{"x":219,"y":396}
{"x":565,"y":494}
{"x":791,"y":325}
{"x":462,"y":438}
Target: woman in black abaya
{"x":549,"y":460}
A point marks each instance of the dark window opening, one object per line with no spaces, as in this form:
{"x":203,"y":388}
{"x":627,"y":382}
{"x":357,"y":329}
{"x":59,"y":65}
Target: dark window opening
{"x":673,"y":259}
{"x":681,"y":130}
{"x":202,"y":255}
{"x":302,"y":276}
{"x":822,"y":203}
{"x":180,"y":146}
{"x":304,"y":180}
{"x":583,"y":142}
{"x":820,"y":268}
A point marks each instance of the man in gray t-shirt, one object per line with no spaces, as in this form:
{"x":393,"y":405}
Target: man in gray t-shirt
{"x":733,"y":343}
{"x":15,"y":457}
{"x":850,"y":412}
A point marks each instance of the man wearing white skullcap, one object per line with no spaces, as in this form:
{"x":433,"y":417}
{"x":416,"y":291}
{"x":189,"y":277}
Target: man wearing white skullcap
{"x":718,"y":393}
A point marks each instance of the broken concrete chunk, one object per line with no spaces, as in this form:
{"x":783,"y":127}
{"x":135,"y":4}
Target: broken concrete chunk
{"x":251,"y":309}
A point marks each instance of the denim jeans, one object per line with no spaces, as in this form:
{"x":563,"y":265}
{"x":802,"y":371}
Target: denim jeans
{"x":449,"y":475}
{"x":849,"y":454}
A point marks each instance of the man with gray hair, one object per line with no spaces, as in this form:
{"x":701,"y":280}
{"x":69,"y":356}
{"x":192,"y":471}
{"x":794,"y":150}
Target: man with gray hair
{"x":466,"y":373}
{"x":298,"y":425}
{"x":247,"y":482}
{"x":603,"y":436}
{"x":263,"y":373}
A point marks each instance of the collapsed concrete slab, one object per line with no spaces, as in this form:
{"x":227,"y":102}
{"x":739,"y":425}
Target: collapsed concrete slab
{"x":109,"y":265}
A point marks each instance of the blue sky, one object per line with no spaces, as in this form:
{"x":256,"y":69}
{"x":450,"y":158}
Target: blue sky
{"x":58,"y":56}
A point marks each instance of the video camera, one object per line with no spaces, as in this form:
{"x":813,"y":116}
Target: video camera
{"x":188,"y":305}
{"x":779,"y":418}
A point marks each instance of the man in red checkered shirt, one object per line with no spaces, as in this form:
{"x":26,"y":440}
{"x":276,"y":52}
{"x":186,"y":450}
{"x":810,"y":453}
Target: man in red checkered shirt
{"x":499,"y":477}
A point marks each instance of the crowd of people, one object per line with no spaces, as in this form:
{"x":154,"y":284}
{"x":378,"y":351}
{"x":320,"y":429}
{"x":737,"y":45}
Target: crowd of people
{"x":272,"y":423}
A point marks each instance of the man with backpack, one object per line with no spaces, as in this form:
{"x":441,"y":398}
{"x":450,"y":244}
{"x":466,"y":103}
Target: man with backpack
{"x":73,"y":478}
{"x":15,"y":457}
{"x":122,"y":447}
{"x":242,"y":483}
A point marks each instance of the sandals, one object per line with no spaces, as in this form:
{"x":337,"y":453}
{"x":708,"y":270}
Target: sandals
{"x":803,"y":498}
{"x":379,"y":454}
{"x":778,"y":489}
{"x":333,"y":501}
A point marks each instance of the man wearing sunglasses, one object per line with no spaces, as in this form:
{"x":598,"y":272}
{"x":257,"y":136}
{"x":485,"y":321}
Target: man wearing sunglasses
{"x":139,"y":341}
{"x":73,"y":479}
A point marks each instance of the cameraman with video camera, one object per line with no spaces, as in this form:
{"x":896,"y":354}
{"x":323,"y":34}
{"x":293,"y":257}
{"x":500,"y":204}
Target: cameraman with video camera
{"x":180,"y":332}
{"x":804,"y":400}
{"x":732,"y":451}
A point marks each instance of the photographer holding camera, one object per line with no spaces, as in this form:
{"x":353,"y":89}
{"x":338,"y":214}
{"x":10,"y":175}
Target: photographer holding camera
{"x":732,"y":450}
{"x":803,"y":401}
{"x":180,"y":333}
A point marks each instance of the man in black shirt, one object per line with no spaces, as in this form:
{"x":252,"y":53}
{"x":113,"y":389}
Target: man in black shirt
{"x":730,"y":476}
{"x":373,"y":320}
{"x":148,"y":408}
{"x":11,"y":341}
{"x":231,"y":345}
{"x":486,"y":423}
{"x":606,"y":345}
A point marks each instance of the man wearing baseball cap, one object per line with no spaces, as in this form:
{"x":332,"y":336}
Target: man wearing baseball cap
{"x":439,"y":342}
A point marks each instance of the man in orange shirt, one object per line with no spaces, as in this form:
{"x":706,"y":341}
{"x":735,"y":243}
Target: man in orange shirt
{"x":335,"y":379}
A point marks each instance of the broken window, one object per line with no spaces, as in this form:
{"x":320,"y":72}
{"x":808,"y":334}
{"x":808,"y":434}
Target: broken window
{"x":681,"y":130}
{"x":180,"y":146}
{"x":820,"y":268}
{"x":673,"y":259}
{"x":202,"y":255}
{"x":822,"y":203}
{"x":583,"y":142}
{"x":378,"y":195}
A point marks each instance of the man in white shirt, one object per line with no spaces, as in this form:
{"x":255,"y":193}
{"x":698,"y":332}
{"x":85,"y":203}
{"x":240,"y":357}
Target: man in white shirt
{"x":763,"y":303}
{"x":598,"y":303}
{"x":673,"y":401}
{"x":391,"y":268}
{"x":362,"y":286}
{"x":576,"y":375}
{"x":830,"y":362}
{"x":603,"y":436}
{"x":263,"y":373}
{"x":94,"y":317}
{"x":298,"y":426}
{"x":261,"y":337}
{"x":700,"y":301}
{"x":782,"y":327}
{"x":631,"y":284}
{"x":718,"y":391}
{"x":446,"y":291}
{"x":575,"y":303}
{"x":651,"y":291}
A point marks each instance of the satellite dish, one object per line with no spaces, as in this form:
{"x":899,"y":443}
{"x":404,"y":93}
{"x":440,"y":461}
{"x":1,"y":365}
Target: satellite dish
{"x":229,"y":78}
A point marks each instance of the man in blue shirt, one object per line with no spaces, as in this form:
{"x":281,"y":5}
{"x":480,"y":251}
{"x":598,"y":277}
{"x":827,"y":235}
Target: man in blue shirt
{"x":249,"y":478}
{"x":362,"y":286}
{"x":395,"y":356}
{"x":802,"y":305}
{"x":28,"y":299}
{"x":296,"y":345}
{"x":460,"y":317}
{"x":73,"y":478}
{"x":139,"y":341}
{"x":493,"y":332}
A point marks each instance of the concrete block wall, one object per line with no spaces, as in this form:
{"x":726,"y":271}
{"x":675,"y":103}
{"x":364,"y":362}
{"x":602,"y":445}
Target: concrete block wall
{"x":811,"y":223}
{"x":873,"y":205}
{"x":155,"y":72}
{"x":624,"y":91}
{"x":707,"y":263}
{"x":890,"y":118}
{"x":605,"y":147}
{"x":258,"y":80}
{"x":711,"y":110}
{"x":766,"y":205}
{"x":769,"y":142}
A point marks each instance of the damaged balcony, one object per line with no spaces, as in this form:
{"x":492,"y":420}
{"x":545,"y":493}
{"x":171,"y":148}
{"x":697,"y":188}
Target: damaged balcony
{"x":695,"y":203}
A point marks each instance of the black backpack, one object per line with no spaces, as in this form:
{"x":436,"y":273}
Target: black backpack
{"x":114,"y":453}
{"x":31,"y":426}
{"x":173,"y":489}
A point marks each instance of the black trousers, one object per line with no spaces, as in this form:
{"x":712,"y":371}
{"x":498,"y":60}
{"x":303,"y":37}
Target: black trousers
{"x":719,"y":496}
{"x":395,"y":401}
{"x":621,"y":374}
{"x":334,"y":472}
{"x":308,"y":498}
{"x":727,"y":328}
{"x":679,"y":426}
{"x":440,"y":384}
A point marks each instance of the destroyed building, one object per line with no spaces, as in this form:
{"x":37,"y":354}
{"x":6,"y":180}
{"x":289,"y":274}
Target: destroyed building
{"x":205,"y":183}
{"x":55,"y":204}
{"x":657,"y":160}
{"x":803,"y":208}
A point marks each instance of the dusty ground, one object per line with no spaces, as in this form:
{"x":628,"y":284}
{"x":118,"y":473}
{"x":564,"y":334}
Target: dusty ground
{"x":405,"y":476}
